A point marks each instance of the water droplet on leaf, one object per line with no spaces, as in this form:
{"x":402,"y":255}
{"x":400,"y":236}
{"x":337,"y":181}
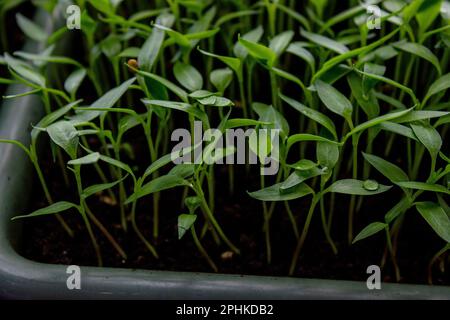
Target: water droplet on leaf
{"x":371,"y":185}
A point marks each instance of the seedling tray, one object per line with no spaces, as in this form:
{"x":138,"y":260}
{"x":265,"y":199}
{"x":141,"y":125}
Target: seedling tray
{"x":21,"y":278}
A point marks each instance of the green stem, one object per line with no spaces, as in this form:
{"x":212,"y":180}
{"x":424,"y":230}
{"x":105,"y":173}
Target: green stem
{"x":302,"y":239}
{"x":433,"y":261}
{"x":391,"y":251}
{"x":77,"y":172}
{"x":138,"y":232}
{"x":202,"y":250}
{"x":206,"y":210}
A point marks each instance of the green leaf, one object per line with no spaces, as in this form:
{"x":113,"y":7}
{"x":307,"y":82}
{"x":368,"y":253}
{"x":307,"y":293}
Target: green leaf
{"x":325,"y":42}
{"x":397,"y":210}
{"x":43,"y":57}
{"x":297,"y":49}
{"x":280,"y":42}
{"x":74,"y":81}
{"x":427,"y":14}
{"x":221,"y":78}
{"x":298,"y":177}
{"x":31,"y":29}
{"x":253,"y":36}
{"x":65,"y":135}
{"x":420,"y":51}
{"x":355,"y":187}
{"x":312,"y":114}
{"x":88,"y":159}
{"x":237,"y":122}
{"x":334,"y":100}
{"x":368,"y":102}
{"x":233,"y":63}
{"x":152,"y":46}
{"x":376,"y":121}
{"x":259,"y":52}
{"x":327,"y":154}
{"x":273,"y":193}
{"x":441,"y":84}
{"x":188,"y":108}
{"x":299,"y":137}
{"x":185,"y":222}
{"x":166,"y":83}
{"x":429,"y":137}
{"x":108,"y":100}
{"x":188,"y":76}
{"x":436,"y":218}
{"x":370,"y":230}
{"x":424,"y":186}
{"x":398,"y":129}
{"x":25,"y":71}
{"x":51,"y":118}
{"x":156,"y":185}
{"x":89,"y":191}
{"x":117,"y":163}
{"x":388,"y":169}
{"x":130,"y":52}
{"x":421,"y":115}
{"x":269,"y":114}
{"x":52,"y":209}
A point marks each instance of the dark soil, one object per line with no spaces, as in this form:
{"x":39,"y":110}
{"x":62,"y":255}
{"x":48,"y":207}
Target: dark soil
{"x":241,"y":218}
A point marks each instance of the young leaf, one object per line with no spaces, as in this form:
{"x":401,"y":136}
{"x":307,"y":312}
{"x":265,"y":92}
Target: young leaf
{"x":420,"y":51}
{"x":196,"y":112}
{"x":280,"y":42}
{"x":273,"y":193}
{"x":334,"y":100}
{"x":388,"y":169}
{"x":259,"y":52}
{"x":370,"y":230}
{"x":51,"y":118}
{"x":65,"y":135}
{"x":299,"y":177}
{"x":31,"y":29}
{"x":429,"y":137}
{"x":152,"y":46}
{"x":355,"y":187}
{"x":159,"y":184}
{"x":424,"y":186}
{"x":368,"y":101}
{"x":52,"y":209}
{"x":89,"y":191}
{"x":233,"y":63}
{"x":188,"y":76}
{"x":297,"y":49}
{"x":88,"y":159}
{"x":441,"y":84}
{"x":25,"y":71}
{"x":436,"y":218}
{"x":327,"y":154}
{"x":74,"y":81}
{"x":108,"y":100}
{"x":221,"y":78}
{"x":325,"y":42}
{"x":312,"y":114}
{"x":253,"y":36}
{"x":185,"y":222}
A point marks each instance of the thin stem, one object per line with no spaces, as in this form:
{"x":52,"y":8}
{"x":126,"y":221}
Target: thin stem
{"x":433,"y":261}
{"x":302,"y":239}
{"x":138,"y":232}
{"x":105,"y":232}
{"x":202,"y":250}
{"x":391,"y":251}
{"x":206,"y":210}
